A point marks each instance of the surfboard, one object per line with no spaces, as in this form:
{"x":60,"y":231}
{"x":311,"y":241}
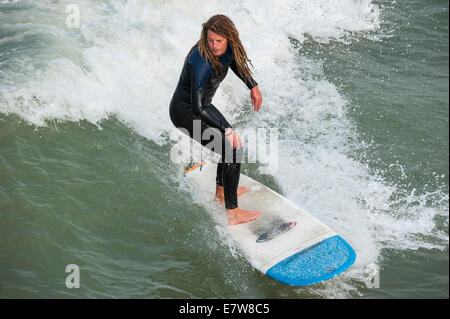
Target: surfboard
{"x":286,"y":243}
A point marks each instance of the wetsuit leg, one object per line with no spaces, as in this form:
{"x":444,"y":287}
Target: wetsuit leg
{"x":228,"y":171}
{"x":230,"y":177}
{"x":219,"y":175}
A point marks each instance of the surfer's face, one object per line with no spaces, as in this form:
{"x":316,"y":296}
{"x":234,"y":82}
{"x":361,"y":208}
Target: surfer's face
{"x":217,"y":44}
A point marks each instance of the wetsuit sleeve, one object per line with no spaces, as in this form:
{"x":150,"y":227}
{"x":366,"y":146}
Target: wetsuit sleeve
{"x":208,"y":113}
{"x":249,"y":81}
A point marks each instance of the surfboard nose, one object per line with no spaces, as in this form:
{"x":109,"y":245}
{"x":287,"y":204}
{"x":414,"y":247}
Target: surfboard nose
{"x":316,"y":263}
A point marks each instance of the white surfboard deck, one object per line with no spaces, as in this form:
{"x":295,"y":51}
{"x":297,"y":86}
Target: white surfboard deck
{"x":307,"y":253}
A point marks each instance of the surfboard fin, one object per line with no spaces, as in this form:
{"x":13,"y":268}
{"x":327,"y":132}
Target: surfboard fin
{"x":275,"y":231}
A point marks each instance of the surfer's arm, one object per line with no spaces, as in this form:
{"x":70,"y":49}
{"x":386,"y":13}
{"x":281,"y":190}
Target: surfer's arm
{"x":249,"y":81}
{"x":252,"y":86}
{"x":207,"y":113}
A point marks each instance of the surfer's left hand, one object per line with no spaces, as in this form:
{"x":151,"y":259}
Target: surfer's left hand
{"x":235,"y":141}
{"x":256,"y":98}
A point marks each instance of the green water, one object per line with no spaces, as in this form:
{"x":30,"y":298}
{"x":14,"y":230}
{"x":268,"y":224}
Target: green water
{"x":121,"y":219}
{"x":398,"y":90}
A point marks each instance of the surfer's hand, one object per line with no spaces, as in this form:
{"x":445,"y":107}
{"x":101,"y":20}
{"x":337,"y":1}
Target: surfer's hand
{"x":235,"y":140}
{"x":256,"y":98}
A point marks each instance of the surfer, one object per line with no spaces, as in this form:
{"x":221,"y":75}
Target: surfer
{"x":205,"y":67}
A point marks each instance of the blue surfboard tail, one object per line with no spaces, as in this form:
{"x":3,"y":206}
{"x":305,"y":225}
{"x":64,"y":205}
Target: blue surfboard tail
{"x":314,"y":264}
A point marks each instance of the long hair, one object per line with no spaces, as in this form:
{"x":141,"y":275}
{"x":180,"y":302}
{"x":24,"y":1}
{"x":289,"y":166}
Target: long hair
{"x":223,"y":26}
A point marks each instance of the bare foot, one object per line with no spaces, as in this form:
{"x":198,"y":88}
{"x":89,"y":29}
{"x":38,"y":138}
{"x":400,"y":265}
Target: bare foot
{"x":220,"y":196}
{"x":238,"y":216}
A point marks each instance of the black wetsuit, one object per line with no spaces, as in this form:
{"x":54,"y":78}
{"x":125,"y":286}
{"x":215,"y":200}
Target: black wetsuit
{"x":192,"y":101}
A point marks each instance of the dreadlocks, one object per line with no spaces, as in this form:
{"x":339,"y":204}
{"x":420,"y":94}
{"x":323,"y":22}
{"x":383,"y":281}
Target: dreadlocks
{"x":223,"y":26}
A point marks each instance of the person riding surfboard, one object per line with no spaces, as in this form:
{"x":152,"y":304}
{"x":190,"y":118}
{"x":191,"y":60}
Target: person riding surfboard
{"x":205,"y":67}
